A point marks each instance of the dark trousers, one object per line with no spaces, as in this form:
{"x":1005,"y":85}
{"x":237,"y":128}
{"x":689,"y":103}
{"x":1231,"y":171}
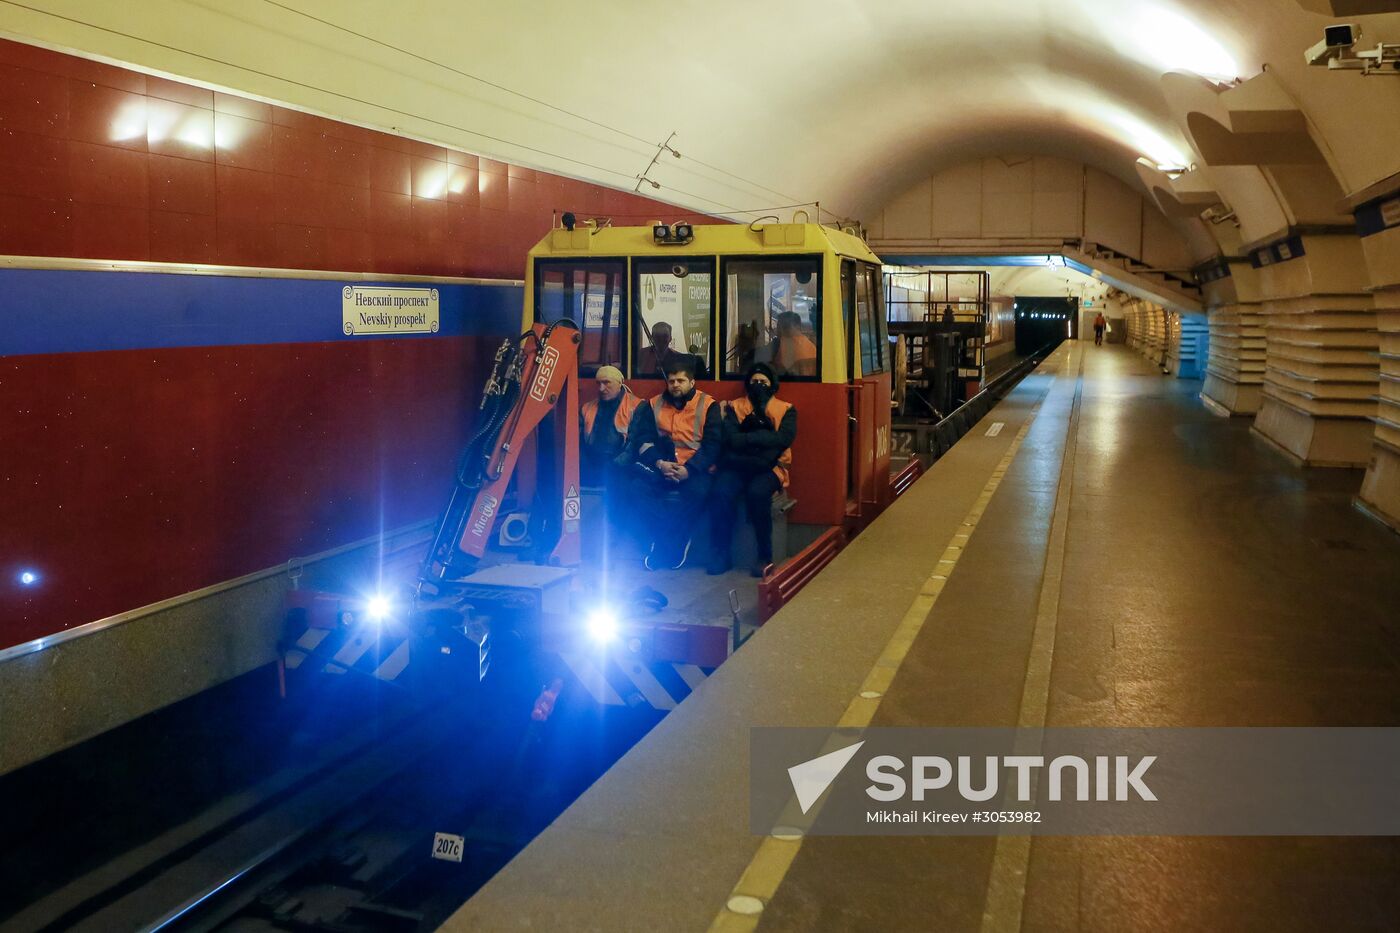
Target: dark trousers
{"x":756,"y":490}
{"x":1098,"y":336}
{"x":669,"y":510}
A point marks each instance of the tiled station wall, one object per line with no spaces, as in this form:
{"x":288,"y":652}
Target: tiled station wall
{"x":132,"y":475}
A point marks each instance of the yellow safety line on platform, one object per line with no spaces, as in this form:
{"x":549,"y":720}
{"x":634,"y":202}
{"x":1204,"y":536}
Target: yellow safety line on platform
{"x":1004,"y":906}
{"x":769,"y":866}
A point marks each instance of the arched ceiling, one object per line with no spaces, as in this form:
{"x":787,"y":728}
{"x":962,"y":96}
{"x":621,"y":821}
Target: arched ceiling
{"x":785,"y":101}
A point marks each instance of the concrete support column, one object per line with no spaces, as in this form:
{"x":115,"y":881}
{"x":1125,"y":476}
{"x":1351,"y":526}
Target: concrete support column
{"x":1132,"y":323}
{"x":1380,"y":491}
{"x":1321,"y":371}
{"x":1235,"y":371}
{"x":1234,"y":375}
{"x":1148,"y":332}
{"x":1157,"y":336}
{"x":1187,"y":345}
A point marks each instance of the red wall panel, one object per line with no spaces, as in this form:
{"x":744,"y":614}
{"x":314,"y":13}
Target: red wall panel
{"x":133,"y":476}
{"x":105,"y":163}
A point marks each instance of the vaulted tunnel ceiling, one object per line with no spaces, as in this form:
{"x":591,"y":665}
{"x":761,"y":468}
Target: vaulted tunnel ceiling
{"x":843,"y":101}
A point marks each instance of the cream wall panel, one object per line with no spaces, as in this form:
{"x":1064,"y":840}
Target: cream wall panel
{"x":1058,"y":175}
{"x":957,"y":202}
{"x":1008,"y":214}
{"x":1009,"y":202}
{"x":907,"y":217}
{"x":1008,"y":176}
{"x":1162,"y":247}
{"x":1057,"y":213}
{"x":1112,"y":213}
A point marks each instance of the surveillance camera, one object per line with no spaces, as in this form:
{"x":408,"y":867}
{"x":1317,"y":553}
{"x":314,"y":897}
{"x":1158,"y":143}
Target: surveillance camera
{"x":1336,"y":40}
{"x":1341,"y":35}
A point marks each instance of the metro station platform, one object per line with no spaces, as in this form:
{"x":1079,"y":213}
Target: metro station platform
{"x":1114,"y":555}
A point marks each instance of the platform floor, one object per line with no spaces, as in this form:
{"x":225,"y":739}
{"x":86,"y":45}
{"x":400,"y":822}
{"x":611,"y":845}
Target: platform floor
{"x":1182,"y":572}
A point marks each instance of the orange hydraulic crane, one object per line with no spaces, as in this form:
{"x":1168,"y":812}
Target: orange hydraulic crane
{"x":528,"y":379}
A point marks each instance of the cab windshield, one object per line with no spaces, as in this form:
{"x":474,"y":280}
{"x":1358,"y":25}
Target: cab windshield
{"x":591,"y":294}
{"x":772,"y":314}
{"x":674,"y":305}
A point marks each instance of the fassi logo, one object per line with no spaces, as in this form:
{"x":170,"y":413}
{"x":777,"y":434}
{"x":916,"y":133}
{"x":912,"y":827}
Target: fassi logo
{"x":540,"y":387}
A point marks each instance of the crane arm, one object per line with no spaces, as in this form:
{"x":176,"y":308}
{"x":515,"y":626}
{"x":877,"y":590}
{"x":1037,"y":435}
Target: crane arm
{"x":528,"y":380}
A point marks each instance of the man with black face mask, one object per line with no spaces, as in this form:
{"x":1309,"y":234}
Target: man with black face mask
{"x":758,"y":433}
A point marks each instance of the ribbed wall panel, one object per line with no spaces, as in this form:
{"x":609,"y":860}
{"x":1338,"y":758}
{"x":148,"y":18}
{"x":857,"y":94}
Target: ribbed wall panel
{"x":1380,"y":491}
{"x":1147,"y":331}
{"x":1322,"y":364}
{"x":1322,"y":354}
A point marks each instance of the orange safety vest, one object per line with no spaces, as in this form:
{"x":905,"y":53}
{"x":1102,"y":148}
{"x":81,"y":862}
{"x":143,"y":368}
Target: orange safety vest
{"x":621,"y":420}
{"x":777,"y":410}
{"x":684,"y":426}
{"x":797,"y":355}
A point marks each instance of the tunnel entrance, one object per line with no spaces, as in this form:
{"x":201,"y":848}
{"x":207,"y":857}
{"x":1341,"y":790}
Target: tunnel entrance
{"x":1044,"y":322}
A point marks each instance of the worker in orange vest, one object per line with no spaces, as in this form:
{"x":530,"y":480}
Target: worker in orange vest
{"x":794,"y":353}
{"x":673,"y":442}
{"x":604,"y":426}
{"x":758,"y":433}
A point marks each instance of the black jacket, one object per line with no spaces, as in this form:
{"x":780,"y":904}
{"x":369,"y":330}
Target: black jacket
{"x":755,"y":444}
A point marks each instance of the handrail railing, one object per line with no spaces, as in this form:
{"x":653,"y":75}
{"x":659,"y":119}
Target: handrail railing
{"x":901,"y":482}
{"x":780,"y":585}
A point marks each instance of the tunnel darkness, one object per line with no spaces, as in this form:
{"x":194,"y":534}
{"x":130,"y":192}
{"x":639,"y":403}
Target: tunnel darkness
{"x":1042,"y":321}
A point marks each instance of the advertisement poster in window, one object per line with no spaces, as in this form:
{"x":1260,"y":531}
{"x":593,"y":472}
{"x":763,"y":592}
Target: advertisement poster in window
{"x":683,"y":303}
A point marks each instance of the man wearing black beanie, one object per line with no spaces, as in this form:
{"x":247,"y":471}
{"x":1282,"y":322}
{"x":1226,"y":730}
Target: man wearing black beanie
{"x":758,"y":433}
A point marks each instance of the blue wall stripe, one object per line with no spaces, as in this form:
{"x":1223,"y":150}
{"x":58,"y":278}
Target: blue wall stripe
{"x":68,"y":311}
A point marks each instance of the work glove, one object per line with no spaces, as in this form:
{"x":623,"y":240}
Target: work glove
{"x":756,"y":422}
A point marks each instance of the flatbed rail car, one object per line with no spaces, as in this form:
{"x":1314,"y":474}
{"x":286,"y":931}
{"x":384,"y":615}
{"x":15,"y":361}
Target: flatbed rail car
{"x":806,"y":298}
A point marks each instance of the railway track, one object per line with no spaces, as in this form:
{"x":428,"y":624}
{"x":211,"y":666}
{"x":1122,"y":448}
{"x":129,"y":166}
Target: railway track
{"x":347,"y":842}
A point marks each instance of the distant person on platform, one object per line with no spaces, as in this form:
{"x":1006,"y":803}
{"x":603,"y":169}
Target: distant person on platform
{"x":604,"y":427}
{"x":653,"y":360}
{"x":673,"y":442}
{"x":794,"y":353}
{"x":758,"y":433}
{"x":1100,"y":323}
{"x":948,"y":319}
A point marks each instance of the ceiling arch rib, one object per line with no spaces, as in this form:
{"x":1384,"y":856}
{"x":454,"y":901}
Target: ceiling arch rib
{"x":1257,"y":125}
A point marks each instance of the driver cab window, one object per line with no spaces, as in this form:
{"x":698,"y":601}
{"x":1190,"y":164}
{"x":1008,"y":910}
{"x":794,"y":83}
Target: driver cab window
{"x":773,"y":315}
{"x":673,"y":300}
{"x":590,"y":293}
{"x":871,"y":315}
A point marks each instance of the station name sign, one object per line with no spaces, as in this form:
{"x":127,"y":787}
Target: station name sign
{"x":368,"y":310}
